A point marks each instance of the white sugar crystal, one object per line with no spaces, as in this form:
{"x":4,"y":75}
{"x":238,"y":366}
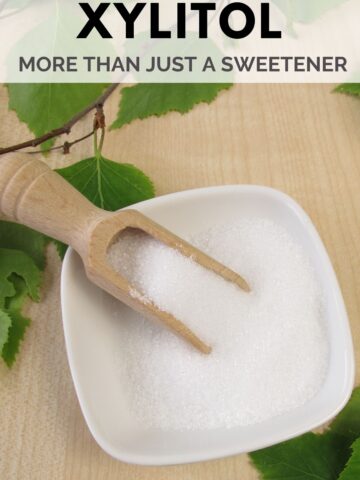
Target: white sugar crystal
{"x":270,"y":347}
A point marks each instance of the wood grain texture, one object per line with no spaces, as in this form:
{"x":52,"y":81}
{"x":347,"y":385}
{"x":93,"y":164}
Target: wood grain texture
{"x":301,"y":139}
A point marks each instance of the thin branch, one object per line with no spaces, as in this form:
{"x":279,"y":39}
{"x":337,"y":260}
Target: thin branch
{"x":66,"y":128}
{"x":70,"y":144}
{"x":65,"y":146}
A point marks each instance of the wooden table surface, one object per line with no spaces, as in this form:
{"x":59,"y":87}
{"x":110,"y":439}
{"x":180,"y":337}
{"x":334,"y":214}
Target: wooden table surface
{"x":301,"y":139}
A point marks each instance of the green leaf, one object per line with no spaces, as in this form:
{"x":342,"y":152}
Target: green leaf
{"x":5,"y":324}
{"x":16,"y":302}
{"x":15,"y":261}
{"x":60,"y":248}
{"x":144,"y":100}
{"x":19,"y":323}
{"x":352,"y":470}
{"x":54,"y":103}
{"x":108,"y":184}
{"x":347,"y":423}
{"x":313,"y":456}
{"x":349,"y":89}
{"x":47,"y":106}
{"x":308,"y":457}
{"x":21,"y":259}
{"x":19,"y":237}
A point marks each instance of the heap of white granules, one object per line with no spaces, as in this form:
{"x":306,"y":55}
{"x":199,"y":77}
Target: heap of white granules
{"x":270,"y":347}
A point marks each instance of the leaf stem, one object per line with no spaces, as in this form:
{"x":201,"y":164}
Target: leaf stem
{"x":96,"y":149}
{"x":102,"y":138}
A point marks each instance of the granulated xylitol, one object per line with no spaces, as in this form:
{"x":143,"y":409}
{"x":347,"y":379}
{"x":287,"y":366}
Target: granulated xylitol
{"x":270,"y":347}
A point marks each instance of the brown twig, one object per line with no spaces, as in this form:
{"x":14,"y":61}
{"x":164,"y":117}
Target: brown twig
{"x":65,"y":146}
{"x":99,"y":119}
{"x":66,"y":128}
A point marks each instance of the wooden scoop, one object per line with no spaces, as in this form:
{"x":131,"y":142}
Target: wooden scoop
{"x":34,"y":195}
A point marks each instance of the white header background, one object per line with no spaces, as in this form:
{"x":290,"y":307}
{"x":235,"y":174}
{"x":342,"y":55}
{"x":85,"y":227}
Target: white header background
{"x":49,"y":28}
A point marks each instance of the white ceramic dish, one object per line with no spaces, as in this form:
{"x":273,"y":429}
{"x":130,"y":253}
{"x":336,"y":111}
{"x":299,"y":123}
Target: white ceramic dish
{"x":90,"y":329}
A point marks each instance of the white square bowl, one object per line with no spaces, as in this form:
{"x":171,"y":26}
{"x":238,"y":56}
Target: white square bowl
{"x":90,"y":329}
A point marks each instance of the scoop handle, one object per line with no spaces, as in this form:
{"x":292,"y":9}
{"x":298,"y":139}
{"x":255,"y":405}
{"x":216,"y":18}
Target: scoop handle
{"x":36,"y":196}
